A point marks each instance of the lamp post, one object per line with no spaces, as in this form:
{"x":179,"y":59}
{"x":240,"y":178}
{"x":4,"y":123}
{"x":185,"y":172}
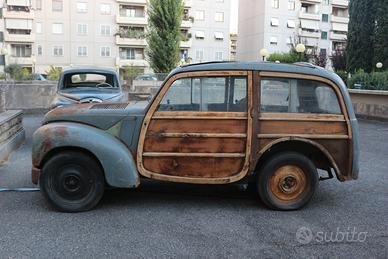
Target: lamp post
{"x":33,"y":64}
{"x":379,"y":65}
{"x":264,"y":53}
{"x":300,"y":48}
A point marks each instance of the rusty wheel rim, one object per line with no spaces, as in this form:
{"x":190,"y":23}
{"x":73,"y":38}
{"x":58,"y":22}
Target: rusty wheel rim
{"x":288,"y":183}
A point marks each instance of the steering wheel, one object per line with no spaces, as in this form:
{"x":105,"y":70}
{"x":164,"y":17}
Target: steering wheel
{"x":104,"y":83}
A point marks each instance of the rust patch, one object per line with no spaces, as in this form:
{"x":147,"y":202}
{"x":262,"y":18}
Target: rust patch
{"x":70,"y":109}
{"x":35,"y":173}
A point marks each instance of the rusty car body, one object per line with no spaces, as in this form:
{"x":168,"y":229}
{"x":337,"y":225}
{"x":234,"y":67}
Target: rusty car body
{"x":87,"y":85}
{"x":271,"y":125}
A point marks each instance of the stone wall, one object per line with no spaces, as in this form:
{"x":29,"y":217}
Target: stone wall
{"x":12,"y":134}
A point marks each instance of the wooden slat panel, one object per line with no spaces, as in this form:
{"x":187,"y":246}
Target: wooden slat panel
{"x":196,"y":145}
{"x":339,"y":150}
{"x":198,"y":126}
{"x":198,"y":135}
{"x":194,"y":167}
{"x":215,"y":155}
{"x":301,"y":127}
{"x":200,"y":115}
{"x":308,"y":136}
{"x":300,"y":117}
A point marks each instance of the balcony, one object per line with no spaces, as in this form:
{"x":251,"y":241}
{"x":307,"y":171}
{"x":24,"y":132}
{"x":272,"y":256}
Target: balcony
{"x":342,"y":3}
{"x":337,"y":36}
{"x":339,"y":19}
{"x":309,"y":34}
{"x":311,"y":1}
{"x":131,"y":20}
{"x":188,"y":3}
{"x":131,"y":41}
{"x":18,"y":14}
{"x":19,"y":37}
{"x":20,"y":60}
{"x":187,"y":24}
{"x":186,"y":44}
{"x":131,"y":63}
{"x":309,"y":16}
{"x":136,"y":2}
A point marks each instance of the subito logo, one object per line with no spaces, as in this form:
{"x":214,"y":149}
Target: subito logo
{"x":304,"y":235}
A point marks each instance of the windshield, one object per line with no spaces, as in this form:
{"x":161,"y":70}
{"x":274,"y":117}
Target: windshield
{"x":91,"y":80}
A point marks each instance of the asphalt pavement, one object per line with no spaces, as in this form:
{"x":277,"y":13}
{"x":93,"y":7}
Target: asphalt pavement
{"x":166,"y":220}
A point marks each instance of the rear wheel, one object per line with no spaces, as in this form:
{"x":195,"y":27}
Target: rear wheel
{"x":72,"y":182}
{"x":287,"y":181}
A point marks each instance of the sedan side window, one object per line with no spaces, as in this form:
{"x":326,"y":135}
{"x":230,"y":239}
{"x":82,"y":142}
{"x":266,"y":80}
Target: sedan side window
{"x":215,"y":94}
{"x":298,"y":96}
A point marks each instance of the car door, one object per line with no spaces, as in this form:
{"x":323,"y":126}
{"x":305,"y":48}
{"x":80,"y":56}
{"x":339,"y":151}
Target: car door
{"x":198,"y":129}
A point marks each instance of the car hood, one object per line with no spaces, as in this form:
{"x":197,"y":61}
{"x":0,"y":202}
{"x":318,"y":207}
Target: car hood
{"x":81,"y":93}
{"x":100,"y":115}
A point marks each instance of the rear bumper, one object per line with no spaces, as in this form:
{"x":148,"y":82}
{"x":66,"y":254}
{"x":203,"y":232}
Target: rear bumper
{"x":35,"y":173}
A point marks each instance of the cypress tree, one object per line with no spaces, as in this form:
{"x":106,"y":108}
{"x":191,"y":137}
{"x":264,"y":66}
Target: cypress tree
{"x":381,"y":35}
{"x":360,"y":53}
{"x":164,"y":18}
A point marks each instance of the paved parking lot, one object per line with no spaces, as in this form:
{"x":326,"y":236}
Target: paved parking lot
{"x":344,"y":220}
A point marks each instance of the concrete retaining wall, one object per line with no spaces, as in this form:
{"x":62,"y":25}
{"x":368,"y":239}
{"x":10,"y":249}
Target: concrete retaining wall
{"x":370,"y":104}
{"x":29,"y":96}
{"x":12,"y":134}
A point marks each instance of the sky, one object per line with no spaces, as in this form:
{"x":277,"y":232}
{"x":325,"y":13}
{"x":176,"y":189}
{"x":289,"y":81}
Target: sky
{"x":234,"y":16}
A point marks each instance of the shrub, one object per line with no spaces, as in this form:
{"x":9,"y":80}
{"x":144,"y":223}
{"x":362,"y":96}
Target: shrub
{"x":54,"y":73}
{"x":371,"y":81}
{"x":343,"y":75}
{"x":17,"y":72}
{"x":284,"y":57}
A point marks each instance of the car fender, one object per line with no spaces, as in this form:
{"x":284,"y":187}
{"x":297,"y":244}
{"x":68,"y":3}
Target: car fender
{"x":115,"y":158}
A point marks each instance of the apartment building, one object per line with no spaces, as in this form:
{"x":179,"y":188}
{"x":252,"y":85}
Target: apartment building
{"x":275,"y":25}
{"x":108,"y":33}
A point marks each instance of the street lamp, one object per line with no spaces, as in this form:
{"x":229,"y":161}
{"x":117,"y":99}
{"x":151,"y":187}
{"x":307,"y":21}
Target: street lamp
{"x":264,"y":53}
{"x":300,"y":48}
{"x":379,"y":65}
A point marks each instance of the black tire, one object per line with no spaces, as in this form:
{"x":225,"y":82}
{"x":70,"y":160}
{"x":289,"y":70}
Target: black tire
{"x":287,"y":181}
{"x":72,"y":181}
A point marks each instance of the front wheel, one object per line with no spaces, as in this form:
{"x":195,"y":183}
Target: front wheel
{"x":287,"y":181}
{"x":72,"y":182}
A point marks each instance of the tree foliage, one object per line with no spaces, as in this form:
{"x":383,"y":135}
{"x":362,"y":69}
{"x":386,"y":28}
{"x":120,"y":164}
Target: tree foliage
{"x":338,"y":60}
{"x":165,"y":18}
{"x":360,"y":50}
{"x":381,"y":33}
{"x":17,"y":72}
{"x":54,"y":73}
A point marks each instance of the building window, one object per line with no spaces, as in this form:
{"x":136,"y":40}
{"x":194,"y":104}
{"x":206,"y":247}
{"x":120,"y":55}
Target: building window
{"x":21,"y":50}
{"x":273,"y":41}
{"x":82,"y":29}
{"x":82,"y":51}
{"x":323,"y":52}
{"x":200,"y":35}
{"x":290,"y":24}
{"x":219,"y":55}
{"x":57,"y":28}
{"x":105,"y":30}
{"x":274,"y":22}
{"x":289,"y":41}
{"x":38,"y":27}
{"x":200,"y":15}
{"x":199,"y":54}
{"x":38,"y":4}
{"x":82,"y":7}
{"x":275,"y":4}
{"x":57,"y":5}
{"x":39,"y":50}
{"x":219,"y":17}
{"x":105,"y":9}
{"x":219,"y":36}
{"x":325,"y":17}
{"x":127,"y":53}
{"x":326,"y":2}
{"x":324,"y":35}
{"x":291,"y":5}
{"x":105,"y":52}
{"x":58,"y":51}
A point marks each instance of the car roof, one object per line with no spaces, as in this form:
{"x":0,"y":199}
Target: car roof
{"x":103,"y":70}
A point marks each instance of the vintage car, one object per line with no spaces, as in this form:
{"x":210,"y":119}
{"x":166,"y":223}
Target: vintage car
{"x":87,"y":85}
{"x":280,"y":128}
